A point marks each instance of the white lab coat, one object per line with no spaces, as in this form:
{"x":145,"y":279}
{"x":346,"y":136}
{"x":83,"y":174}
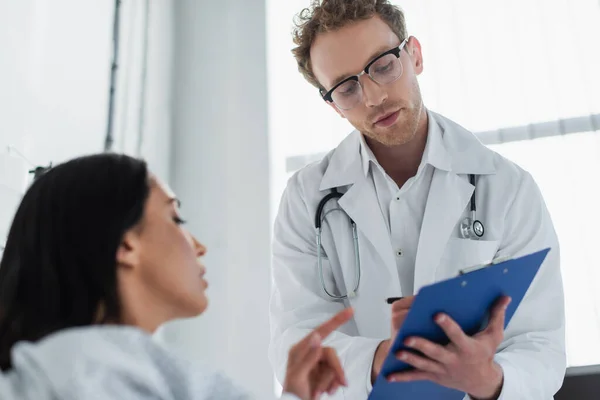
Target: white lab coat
{"x":516,"y":220}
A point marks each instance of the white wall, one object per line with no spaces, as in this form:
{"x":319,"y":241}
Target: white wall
{"x":220,"y":170}
{"x":54,"y":75}
{"x":54,"y":80}
{"x":153,"y":118}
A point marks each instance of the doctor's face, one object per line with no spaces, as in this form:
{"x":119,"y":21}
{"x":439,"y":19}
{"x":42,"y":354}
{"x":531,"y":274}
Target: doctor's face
{"x":160,"y":272}
{"x":388,"y":113}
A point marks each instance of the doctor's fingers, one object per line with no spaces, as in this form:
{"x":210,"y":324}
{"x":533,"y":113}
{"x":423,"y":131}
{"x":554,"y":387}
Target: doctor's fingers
{"x":401,"y":314}
{"x":495,"y":327}
{"x":398,"y":318}
{"x":454,"y":332}
{"x":403,"y":304}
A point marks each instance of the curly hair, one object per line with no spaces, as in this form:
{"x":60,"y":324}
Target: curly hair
{"x":329,"y":15}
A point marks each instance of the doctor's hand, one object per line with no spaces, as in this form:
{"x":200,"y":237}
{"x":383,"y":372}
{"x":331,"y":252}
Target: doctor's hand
{"x":312,"y":369}
{"x":400,"y":310}
{"x":466,"y":363}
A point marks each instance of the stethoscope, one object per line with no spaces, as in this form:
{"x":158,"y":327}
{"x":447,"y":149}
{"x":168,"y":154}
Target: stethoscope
{"x":319,"y":218}
{"x":470,"y":228}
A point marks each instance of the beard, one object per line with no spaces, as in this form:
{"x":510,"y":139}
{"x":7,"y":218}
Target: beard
{"x":405,"y":127}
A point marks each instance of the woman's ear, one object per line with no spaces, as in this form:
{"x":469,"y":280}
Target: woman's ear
{"x":128,"y":253}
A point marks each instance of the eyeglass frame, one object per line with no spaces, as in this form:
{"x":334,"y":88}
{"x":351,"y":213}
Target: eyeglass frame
{"x":395,"y":51}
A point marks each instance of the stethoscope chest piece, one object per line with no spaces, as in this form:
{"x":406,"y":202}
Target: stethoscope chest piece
{"x":471,"y":227}
{"x":478,"y":228}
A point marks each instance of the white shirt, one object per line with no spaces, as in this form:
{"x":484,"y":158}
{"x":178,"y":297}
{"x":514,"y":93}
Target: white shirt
{"x":403,"y":208}
{"x":111,"y":362}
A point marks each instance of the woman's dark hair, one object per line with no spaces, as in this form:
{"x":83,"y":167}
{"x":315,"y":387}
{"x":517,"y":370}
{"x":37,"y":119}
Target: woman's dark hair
{"x":59,"y":263}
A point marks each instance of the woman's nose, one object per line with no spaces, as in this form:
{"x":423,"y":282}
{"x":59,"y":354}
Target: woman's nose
{"x":199,"y":247}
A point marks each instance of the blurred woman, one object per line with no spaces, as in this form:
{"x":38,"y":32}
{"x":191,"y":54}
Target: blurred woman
{"x":95,"y":261}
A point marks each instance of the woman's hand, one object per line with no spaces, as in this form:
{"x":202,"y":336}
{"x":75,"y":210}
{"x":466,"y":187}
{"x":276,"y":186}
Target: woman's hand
{"x":312,"y":369}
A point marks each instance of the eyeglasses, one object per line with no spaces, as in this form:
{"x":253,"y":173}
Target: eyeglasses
{"x":384,"y":69}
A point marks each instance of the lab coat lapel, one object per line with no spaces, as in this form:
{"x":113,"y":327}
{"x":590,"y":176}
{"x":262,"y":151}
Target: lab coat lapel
{"x":449,"y":194}
{"x":378,"y":265}
{"x":361,"y":205}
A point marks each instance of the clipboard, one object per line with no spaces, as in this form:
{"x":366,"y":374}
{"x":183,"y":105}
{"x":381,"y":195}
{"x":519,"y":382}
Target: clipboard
{"x":467,"y":299}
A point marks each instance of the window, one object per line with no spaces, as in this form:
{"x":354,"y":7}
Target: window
{"x":566,"y":169}
{"x":523,"y":76}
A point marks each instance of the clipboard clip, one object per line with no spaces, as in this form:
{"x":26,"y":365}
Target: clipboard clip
{"x":484,"y":265}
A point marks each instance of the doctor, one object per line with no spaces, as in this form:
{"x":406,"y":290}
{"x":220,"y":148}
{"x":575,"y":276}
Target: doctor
{"x":409,"y":179}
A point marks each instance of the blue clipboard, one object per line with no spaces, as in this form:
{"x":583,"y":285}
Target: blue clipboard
{"x":467,"y":299}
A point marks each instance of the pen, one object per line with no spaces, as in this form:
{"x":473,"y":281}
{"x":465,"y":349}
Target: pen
{"x":390,"y":300}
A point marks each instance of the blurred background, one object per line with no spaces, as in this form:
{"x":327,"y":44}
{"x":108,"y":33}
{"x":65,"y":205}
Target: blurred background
{"x":209,"y":94}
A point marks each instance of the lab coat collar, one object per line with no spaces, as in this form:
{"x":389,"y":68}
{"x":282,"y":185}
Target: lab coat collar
{"x":468,"y":155}
{"x":459,"y":151}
